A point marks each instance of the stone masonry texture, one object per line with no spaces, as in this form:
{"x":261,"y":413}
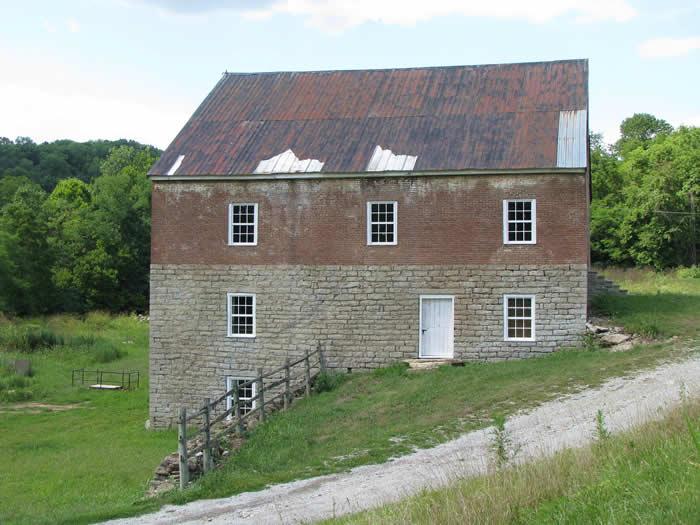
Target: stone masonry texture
{"x":365,"y":316}
{"x":317,"y":282}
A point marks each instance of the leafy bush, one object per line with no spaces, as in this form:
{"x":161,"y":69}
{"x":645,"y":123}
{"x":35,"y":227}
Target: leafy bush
{"x":327,"y":381}
{"x":29,"y":339}
{"x":691,"y":272}
{"x":82,"y":341}
{"x":105,"y":352}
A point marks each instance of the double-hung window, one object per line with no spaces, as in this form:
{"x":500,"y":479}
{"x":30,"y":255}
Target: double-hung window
{"x":241,"y":315}
{"x":382,"y":221}
{"x":246,"y":393}
{"x":243,"y":224}
{"x":519,"y":317}
{"x":519,"y":221}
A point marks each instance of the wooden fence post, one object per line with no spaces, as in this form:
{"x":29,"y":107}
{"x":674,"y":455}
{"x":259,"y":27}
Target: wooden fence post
{"x":182,"y":448}
{"x":287,"y":387}
{"x":237,"y":409}
{"x":207,"y":463}
{"x":308,"y":373}
{"x":261,"y":394}
{"x":321,"y":359}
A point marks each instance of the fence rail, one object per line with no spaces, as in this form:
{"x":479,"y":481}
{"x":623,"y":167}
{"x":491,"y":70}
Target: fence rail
{"x":124,"y":379}
{"x":255,"y":406}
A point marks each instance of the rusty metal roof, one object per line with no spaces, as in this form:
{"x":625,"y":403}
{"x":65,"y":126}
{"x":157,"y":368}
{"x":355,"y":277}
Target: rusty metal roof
{"x":451,"y":118}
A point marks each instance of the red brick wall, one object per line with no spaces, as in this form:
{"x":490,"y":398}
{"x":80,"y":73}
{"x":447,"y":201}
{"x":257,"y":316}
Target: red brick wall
{"x":441,"y":220}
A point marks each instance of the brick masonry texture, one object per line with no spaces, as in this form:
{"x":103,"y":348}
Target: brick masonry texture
{"x":364,"y":315}
{"x":441,"y":220}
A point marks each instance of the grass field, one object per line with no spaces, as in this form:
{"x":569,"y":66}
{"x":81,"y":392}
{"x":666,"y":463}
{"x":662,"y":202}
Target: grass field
{"x":92,"y":462}
{"x":74,"y":465}
{"x":650,"y":474}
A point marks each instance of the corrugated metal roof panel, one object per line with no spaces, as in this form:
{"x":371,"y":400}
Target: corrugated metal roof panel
{"x":288,"y":162}
{"x":572,"y":139}
{"x":386,"y":160}
{"x":463,"y":117}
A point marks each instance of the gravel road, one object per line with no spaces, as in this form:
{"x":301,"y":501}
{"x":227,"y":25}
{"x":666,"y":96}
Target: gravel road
{"x":555,"y":425}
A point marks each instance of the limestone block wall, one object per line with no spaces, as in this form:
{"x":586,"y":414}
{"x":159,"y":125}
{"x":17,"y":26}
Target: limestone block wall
{"x":365,"y":316}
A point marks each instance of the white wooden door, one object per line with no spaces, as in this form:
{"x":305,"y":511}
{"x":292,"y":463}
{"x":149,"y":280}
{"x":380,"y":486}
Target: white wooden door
{"x":436,"y":326}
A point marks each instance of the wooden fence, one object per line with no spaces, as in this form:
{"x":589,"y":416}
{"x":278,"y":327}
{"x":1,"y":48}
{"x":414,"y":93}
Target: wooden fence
{"x":270,"y":388}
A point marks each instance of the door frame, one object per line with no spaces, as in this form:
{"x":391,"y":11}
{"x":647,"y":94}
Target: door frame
{"x":451,"y":353}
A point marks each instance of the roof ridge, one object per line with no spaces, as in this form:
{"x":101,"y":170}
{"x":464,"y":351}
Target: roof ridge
{"x":409,"y":68}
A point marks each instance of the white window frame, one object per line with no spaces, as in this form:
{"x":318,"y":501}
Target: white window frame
{"x":533,"y":220}
{"x":229,"y":399}
{"x":533,"y":318}
{"x":395,"y":223}
{"x":255,"y":224}
{"x":229,"y":304}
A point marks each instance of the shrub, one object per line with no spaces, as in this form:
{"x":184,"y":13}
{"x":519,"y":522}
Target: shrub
{"x":105,"y":352}
{"x":14,"y":395}
{"x":691,"y":272}
{"x":29,"y":339}
{"x":327,"y":381}
{"x":18,"y":382}
{"x":590,"y":342}
{"x":601,"y":429}
{"x":98,"y":319}
{"x":82,"y":341}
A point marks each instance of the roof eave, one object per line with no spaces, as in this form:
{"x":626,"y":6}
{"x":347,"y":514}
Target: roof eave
{"x":364,"y":174}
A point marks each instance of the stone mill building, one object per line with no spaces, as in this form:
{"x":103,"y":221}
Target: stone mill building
{"x":383,"y":214}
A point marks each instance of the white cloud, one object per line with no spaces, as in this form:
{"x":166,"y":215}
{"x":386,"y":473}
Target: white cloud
{"x":668,"y":47}
{"x":73,"y":25}
{"x":45,"y":99}
{"x":338,"y":15}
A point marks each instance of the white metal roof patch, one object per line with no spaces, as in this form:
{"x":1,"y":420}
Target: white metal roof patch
{"x":385,"y":160}
{"x":572,"y":139}
{"x":176,"y":165}
{"x":288,"y":162}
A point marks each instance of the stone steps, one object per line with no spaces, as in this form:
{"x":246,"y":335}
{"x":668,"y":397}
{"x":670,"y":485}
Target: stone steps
{"x":599,"y":285}
{"x":429,"y":364}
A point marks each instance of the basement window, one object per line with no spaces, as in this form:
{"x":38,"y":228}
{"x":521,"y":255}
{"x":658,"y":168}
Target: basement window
{"x":519,"y":317}
{"x":243,"y":224}
{"x":381,"y":223}
{"x":241,"y":315}
{"x":246,"y":393}
{"x":519,"y":221}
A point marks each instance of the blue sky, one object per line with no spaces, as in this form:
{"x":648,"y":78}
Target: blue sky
{"x":88,"y":69}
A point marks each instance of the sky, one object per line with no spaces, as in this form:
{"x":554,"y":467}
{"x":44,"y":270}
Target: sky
{"x":137,"y":69}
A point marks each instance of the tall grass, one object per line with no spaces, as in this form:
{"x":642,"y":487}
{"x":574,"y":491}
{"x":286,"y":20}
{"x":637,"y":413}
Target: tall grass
{"x":646,"y":475}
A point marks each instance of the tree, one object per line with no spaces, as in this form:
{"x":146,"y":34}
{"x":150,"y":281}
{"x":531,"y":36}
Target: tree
{"x":661,"y":177}
{"x":638,"y":131}
{"x":25,"y":253}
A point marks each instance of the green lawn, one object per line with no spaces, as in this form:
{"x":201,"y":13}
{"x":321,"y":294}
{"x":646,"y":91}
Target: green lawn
{"x":69,"y":466}
{"x":648,"y":475}
{"x":658,"y":302}
{"x":92,"y":462}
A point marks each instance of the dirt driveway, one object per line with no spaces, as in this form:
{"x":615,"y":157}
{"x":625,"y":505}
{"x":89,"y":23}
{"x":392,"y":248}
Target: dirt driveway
{"x":566,"y":422}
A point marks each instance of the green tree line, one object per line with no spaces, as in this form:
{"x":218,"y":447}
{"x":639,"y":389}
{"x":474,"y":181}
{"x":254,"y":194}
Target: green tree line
{"x":645,"y":188}
{"x":75,"y":218}
{"x":78,"y":237}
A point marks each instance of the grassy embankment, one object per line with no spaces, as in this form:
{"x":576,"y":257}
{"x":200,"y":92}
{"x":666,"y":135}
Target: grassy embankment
{"x":650,"y":474}
{"x":92,"y":462}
